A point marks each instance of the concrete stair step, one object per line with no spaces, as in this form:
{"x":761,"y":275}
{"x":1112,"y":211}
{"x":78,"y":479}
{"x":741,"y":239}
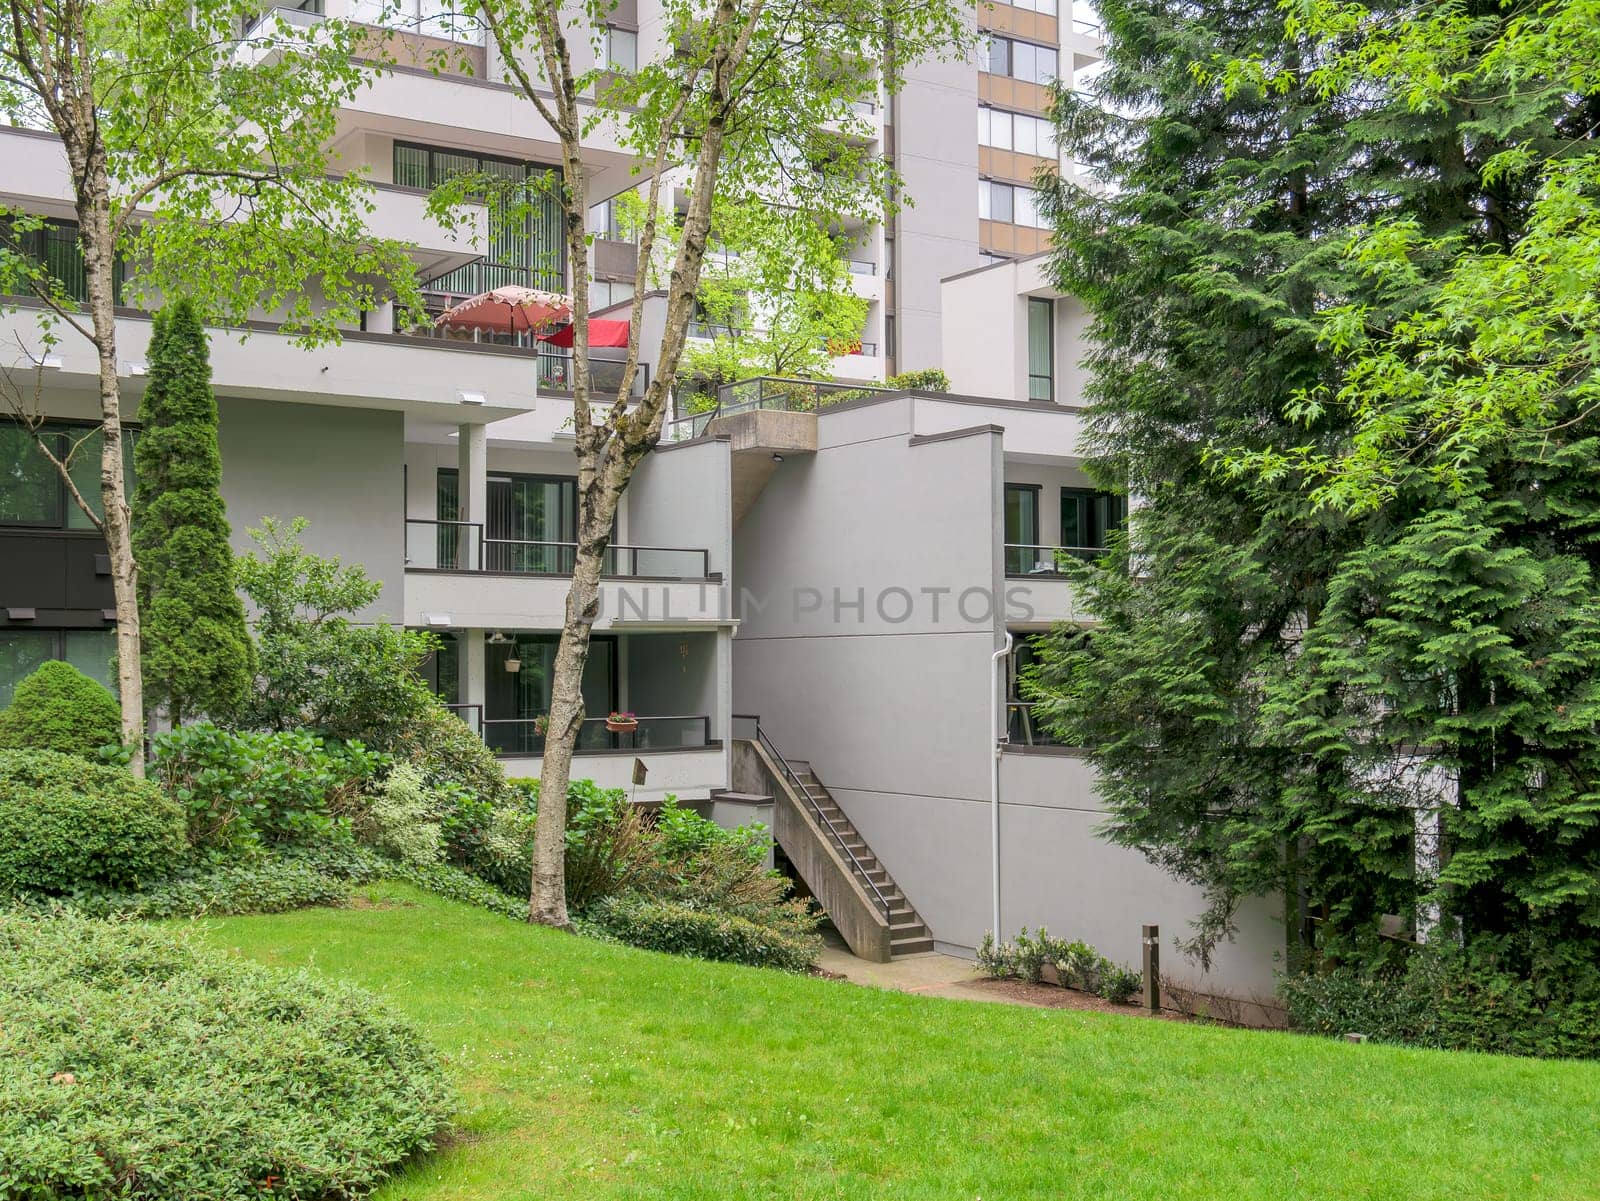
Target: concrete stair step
{"x":914,"y":946}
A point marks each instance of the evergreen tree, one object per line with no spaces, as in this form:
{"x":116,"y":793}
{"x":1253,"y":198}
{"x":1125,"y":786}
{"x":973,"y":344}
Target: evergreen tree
{"x":1205,"y":265}
{"x":197,"y":657}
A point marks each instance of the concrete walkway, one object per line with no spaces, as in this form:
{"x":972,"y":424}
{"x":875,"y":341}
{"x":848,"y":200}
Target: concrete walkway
{"x":932,"y":974}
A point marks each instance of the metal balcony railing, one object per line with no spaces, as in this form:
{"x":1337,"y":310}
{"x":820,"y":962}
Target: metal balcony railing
{"x":520,"y":735}
{"x":1024,"y":560}
{"x":766,"y":392}
{"x":439,"y":545}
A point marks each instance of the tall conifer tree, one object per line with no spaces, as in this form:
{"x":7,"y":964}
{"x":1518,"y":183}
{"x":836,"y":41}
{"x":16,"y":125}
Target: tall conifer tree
{"x":1206,"y":265}
{"x":197,"y":649}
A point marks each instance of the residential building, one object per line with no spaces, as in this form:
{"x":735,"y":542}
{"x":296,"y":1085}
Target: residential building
{"x":972,"y":203}
{"x":441,"y":464}
{"x":807,"y":604}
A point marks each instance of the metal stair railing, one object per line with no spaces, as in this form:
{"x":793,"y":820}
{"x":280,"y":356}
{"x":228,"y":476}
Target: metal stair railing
{"x":827,"y":823}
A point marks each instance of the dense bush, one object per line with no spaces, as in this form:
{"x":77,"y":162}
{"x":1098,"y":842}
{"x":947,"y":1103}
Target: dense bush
{"x":317,"y":666}
{"x":272,"y":883}
{"x":241,"y":789}
{"x":449,"y":754}
{"x":66,"y":823}
{"x":700,"y":934}
{"x":185,"y":1073}
{"x":401,"y":817}
{"x":58,"y":708}
{"x":1077,"y":964}
{"x":929,"y":379}
{"x":1447,"y":997}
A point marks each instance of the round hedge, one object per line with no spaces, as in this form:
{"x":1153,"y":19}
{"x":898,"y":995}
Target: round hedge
{"x":135,"y":1065}
{"x":65,"y":824}
{"x":58,"y":708}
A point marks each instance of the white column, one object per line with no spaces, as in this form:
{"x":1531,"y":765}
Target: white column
{"x":473,"y":669}
{"x":472,"y":483}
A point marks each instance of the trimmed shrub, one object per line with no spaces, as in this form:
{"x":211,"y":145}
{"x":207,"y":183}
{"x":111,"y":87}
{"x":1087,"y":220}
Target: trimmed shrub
{"x":1448,"y":998}
{"x":65,"y":824}
{"x":929,"y":379}
{"x":272,"y":884}
{"x":58,"y":708}
{"x":681,"y":930}
{"x":400,"y":818}
{"x":241,"y":789}
{"x":187,"y":1073}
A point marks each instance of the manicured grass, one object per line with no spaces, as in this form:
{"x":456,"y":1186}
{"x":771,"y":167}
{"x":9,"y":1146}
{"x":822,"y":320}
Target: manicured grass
{"x":594,"y":1071}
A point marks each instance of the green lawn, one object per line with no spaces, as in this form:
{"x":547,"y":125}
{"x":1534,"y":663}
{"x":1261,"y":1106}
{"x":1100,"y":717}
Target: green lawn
{"x":593,"y":1071}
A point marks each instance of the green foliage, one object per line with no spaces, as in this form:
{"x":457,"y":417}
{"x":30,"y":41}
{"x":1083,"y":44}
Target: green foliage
{"x":1077,"y":964}
{"x":1444,"y":997}
{"x":929,"y":379}
{"x":681,"y":929}
{"x":197,"y":654}
{"x":243,"y":789}
{"x":58,"y":708}
{"x":401,"y":818}
{"x":316,"y":666}
{"x":201,"y":109}
{"x":187,"y":1073}
{"x":1258,"y":695}
{"x":66,"y":823}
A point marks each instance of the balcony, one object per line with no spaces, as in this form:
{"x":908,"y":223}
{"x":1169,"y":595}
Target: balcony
{"x":766,"y":394}
{"x":1025,"y":561}
{"x":456,"y":577}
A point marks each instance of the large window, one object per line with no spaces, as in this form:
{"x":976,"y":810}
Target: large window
{"x":1016,"y":131}
{"x":21,"y":651}
{"x":32,"y":492}
{"x":1041,"y":349}
{"x":512,"y":699}
{"x":526,"y":243}
{"x":1011,"y":203}
{"x":1089,"y":517}
{"x":529,"y":527}
{"x":435,"y":18}
{"x":619,"y":49}
{"x":1021,"y":60}
{"x":1022,"y":528}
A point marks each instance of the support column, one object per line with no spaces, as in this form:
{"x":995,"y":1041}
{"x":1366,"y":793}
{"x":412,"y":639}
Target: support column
{"x":472,"y":483}
{"x":473,"y":673}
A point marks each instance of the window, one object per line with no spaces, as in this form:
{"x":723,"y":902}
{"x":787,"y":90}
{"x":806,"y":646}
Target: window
{"x":32,"y":492}
{"x":527,"y":243}
{"x":1020,"y":60}
{"x":619,"y":50}
{"x":1011,"y":203}
{"x":605,"y":221}
{"x":513,"y":699}
{"x":434,"y":18}
{"x":603,"y":294}
{"x":1016,"y":131}
{"x":1041,"y":349}
{"x":1022,"y":527}
{"x":1045,"y":8}
{"x":21,"y":651}
{"x":1089,"y":517}
{"x":888,"y":336}
{"x":530,"y":523}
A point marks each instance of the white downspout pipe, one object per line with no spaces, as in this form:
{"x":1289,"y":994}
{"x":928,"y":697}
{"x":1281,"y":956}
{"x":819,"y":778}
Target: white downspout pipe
{"x":996,"y":699}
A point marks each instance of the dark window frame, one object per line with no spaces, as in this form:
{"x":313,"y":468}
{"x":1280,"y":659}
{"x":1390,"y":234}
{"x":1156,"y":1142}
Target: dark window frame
{"x":1048,"y":378}
{"x":65,"y":505}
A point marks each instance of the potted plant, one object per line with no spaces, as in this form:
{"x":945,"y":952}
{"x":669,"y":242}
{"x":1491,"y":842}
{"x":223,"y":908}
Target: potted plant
{"x":622,"y":723}
{"x":541,"y":725}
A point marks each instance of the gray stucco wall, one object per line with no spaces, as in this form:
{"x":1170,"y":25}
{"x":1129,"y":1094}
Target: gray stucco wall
{"x":341,"y":469}
{"x":672,"y":674}
{"x":680,"y":497}
{"x":895,"y":716}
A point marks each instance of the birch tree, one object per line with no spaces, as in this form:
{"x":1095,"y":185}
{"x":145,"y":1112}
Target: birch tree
{"x":194,"y":133}
{"x":746,"y":98}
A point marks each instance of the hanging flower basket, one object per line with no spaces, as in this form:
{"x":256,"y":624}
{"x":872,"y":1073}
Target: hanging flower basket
{"x":622,"y":723}
{"x":541,"y":725}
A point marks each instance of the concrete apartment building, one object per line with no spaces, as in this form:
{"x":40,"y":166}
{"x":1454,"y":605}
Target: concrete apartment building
{"x":850,"y":575}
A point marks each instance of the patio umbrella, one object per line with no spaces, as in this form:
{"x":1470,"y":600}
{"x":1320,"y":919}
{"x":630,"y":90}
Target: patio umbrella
{"x":508,"y":310}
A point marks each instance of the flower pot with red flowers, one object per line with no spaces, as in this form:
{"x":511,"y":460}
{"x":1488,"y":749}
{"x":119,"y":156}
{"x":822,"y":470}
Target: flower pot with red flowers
{"x":622,"y":723}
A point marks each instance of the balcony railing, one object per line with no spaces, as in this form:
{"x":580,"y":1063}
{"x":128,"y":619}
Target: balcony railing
{"x":438,"y":545}
{"x":519,"y":735}
{"x":766,"y":392}
{"x":863,"y":267}
{"x":1023,"y":560}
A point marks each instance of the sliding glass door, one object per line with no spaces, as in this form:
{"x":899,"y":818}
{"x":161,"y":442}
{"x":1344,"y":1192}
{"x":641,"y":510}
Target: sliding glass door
{"x":513,"y":699}
{"x":530,"y":524}
{"x":1022,"y":527}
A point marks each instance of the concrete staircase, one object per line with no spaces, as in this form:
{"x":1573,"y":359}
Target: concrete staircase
{"x":851,"y":884}
{"x":908,"y":935}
